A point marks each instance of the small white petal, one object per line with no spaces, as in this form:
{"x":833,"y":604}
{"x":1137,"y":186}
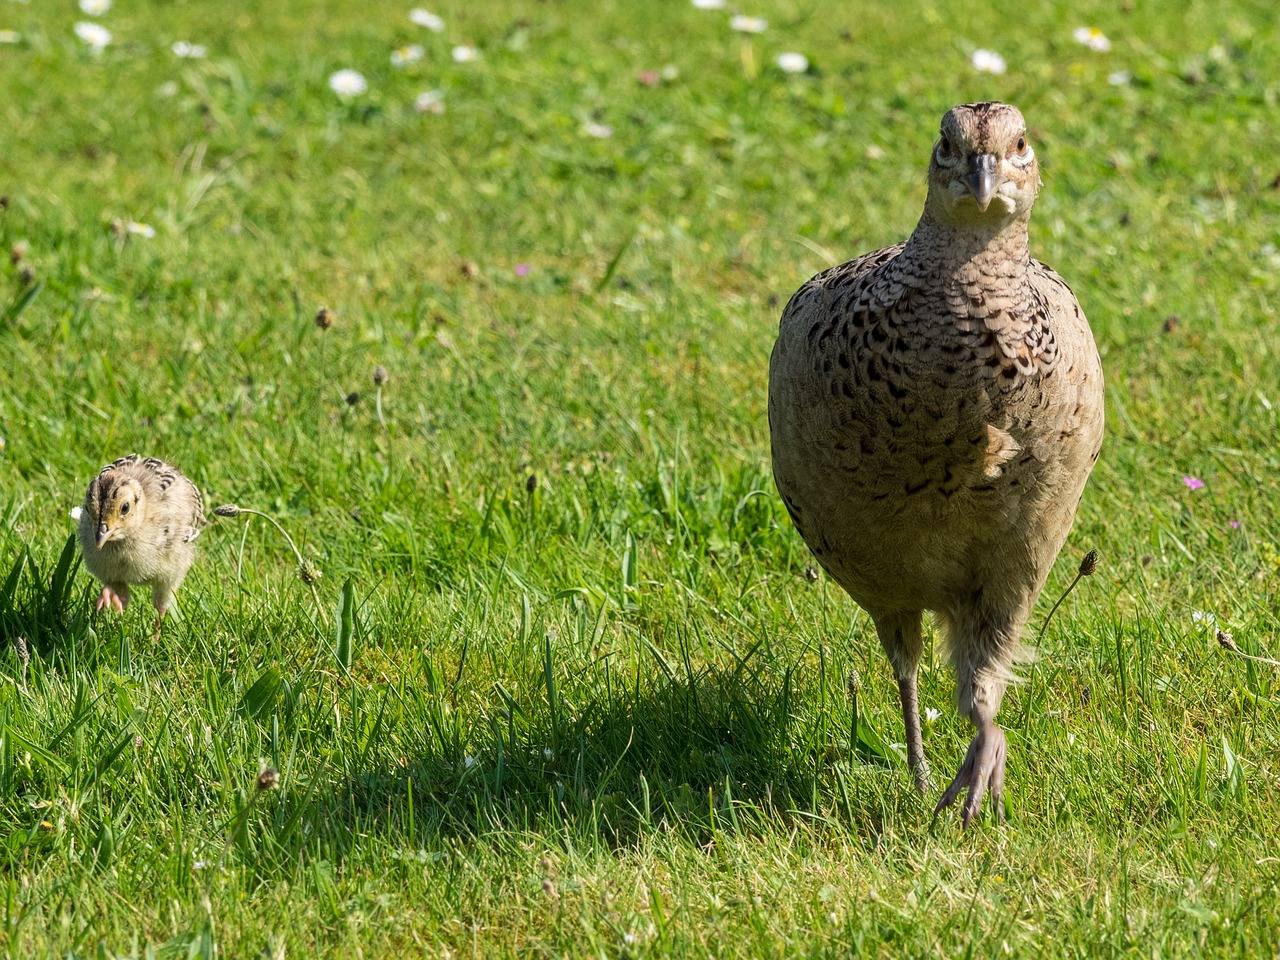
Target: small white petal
{"x":188,"y":51}
{"x":744,"y":24}
{"x":463,"y":54}
{"x":709,"y":4}
{"x":931,"y":715}
{"x":601,"y":131}
{"x":546,"y":752}
{"x":402,"y":56}
{"x":348,"y":83}
{"x":1093,"y":38}
{"x":468,"y":762}
{"x":94,"y":34}
{"x":140,"y":229}
{"x":670,"y":72}
{"x":988,"y":61}
{"x":10,"y":36}
{"x":430,"y":101}
{"x":1119,"y":78}
{"x":793,"y":62}
{"x":77,"y":513}
{"x":425,"y":18}
{"x":95,"y":8}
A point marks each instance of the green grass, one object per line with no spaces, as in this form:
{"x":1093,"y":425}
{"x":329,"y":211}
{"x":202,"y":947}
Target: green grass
{"x":605,"y":712}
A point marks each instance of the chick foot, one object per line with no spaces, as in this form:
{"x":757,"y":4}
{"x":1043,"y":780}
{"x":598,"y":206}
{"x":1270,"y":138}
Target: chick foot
{"x":982,"y":770}
{"x":116,"y":597}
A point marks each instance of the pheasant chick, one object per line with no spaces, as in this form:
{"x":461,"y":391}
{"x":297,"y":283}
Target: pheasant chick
{"x":138,"y":526}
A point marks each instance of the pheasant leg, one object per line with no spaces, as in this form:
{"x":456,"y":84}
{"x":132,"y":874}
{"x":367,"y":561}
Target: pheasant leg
{"x":911,"y":721}
{"x":982,"y":770}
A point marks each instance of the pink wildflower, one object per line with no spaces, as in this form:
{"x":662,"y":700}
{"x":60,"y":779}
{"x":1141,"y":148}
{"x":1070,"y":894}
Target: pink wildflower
{"x":1193,"y":483}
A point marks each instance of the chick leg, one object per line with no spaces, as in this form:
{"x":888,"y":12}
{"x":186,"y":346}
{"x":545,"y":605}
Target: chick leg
{"x":114,"y":595}
{"x":161,"y":596}
{"x":901,"y":638}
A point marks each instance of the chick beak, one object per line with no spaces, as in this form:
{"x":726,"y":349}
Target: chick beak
{"x":104,"y":534}
{"x":982,"y":178}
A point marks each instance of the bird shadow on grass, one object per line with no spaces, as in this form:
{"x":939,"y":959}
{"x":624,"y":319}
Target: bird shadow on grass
{"x":719,"y":754}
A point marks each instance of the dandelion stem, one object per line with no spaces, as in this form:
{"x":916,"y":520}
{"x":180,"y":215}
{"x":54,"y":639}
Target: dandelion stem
{"x":1227,"y":642}
{"x":302,"y":564}
{"x":1088,"y":566}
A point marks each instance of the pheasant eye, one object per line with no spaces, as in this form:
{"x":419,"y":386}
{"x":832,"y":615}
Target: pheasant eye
{"x":945,"y":144}
{"x":1022,"y":144}
{"x":124,"y":508}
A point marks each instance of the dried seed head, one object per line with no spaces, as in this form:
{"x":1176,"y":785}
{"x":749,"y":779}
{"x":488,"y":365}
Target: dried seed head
{"x":531,"y":482}
{"x":27,"y":275}
{"x":353,"y":398}
{"x":469,"y":269}
{"x":18,"y":252}
{"x":380,"y":375}
{"x":549,"y":888}
{"x":4,"y":203}
{"x":1171,"y":322}
{"x":268,"y":779}
{"x":227,"y":510}
{"x":117,"y":226}
{"x":324,"y":318}
{"x":20,"y":645}
{"x":811,"y":573}
{"x":308,"y":572}
{"x":1089,"y":565}
{"x":1227,"y":641}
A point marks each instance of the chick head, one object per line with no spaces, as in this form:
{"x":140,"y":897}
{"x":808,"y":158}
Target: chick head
{"x":117,"y":507}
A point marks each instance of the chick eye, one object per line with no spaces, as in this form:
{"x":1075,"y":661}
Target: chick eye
{"x":1022,"y":145}
{"x":124,"y":508}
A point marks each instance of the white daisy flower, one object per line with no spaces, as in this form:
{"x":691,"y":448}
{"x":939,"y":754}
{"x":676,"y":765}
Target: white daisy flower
{"x":601,"y":131}
{"x":931,"y":715}
{"x":709,"y":4}
{"x":140,"y":229}
{"x":77,"y":513}
{"x":793,"y":62}
{"x":430,"y":101}
{"x":1204,"y":618}
{"x":669,"y":72}
{"x":744,"y":24}
{"x":188,"y":51}
{"x":403,"y":56}
{"x":348,"y":83}
{"x":1093,"y":38}
{"x":95,"y":8}
{"x":94,"y":34}
{"x":988,"y":61}
{"x":1120,"y":78}
{"x":425,"y":18}
{"x":10,"y":36}
{"x":463,"y":54}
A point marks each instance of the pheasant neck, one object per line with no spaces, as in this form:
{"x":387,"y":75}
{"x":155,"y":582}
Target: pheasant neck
{"x":970,"y":250}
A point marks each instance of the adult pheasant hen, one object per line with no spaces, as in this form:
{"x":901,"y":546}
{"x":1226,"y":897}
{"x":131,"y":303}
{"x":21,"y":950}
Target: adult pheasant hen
{"x":935,"y":410}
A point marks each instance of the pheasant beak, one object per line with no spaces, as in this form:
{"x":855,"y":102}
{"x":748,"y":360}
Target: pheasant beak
{"x":982,"y":178}
{"x":105,"y":533}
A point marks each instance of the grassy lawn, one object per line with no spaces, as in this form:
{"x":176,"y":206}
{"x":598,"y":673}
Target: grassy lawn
{"x":592,"y":699}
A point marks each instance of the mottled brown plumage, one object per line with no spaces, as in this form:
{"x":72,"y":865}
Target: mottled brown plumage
{"x":138,"y":525}
{"x":935,"y":409}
